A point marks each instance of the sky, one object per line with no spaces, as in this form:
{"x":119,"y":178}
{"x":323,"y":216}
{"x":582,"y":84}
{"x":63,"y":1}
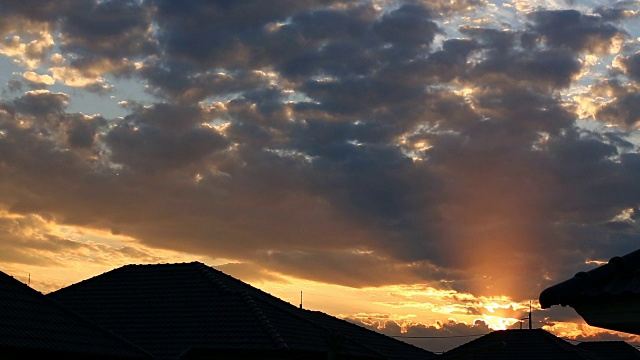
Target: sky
{"x":424,"y":168}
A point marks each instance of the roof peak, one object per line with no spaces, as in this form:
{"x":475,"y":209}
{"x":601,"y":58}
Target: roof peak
{"x":154,"y":303}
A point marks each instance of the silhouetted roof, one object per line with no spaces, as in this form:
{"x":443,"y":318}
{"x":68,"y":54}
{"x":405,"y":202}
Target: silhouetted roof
{"x":190,"y":310}
{"x":381,"y":343}
{"x":619,"y":277}
{"x":32,"y":325}
{"x":612,"y":350}
{"x":518,"y":344}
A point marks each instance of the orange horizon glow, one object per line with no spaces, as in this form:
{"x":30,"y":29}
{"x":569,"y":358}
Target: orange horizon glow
{"x":407,"y":305}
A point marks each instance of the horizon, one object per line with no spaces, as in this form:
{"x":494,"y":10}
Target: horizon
{"x":437,"y":339}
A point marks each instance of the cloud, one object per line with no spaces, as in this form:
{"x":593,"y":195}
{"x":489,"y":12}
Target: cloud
{"x":38,"y":78}
{"x":575,"y":31}
{"x":32,"y":47}
{"x":438,"y":338}
{"x":250,"y":273}
{"x":357,"y":143}
{"x":116,"y":30}
{"x":148,"y":148}
{"x":33,"y":9}
{"x":41,"y":102}
{"x":623,"y":109}
{"x":630,"y":65}
{"x":620,"y":10}
{"x":34,"y":241}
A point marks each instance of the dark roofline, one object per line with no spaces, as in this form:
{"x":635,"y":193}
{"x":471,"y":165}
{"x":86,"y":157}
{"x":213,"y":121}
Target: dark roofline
{"x":252,"y":296}
{"x":616,"y":349}
{"x":568,"y":292}
{"x":372,"y":332}
{"x":494,"y":341}
{"x":134,"y":349}
{"x":12,"y":352}
{"x":269,"y":300}
{"x":294,"y":310}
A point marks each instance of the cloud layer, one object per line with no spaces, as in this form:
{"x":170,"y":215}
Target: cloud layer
{"x":362,"y":143}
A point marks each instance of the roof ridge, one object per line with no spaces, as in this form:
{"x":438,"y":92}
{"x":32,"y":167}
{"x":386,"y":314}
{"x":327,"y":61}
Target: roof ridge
{"x":567,"y":346}
{"x":564,"y":344}
{"x":239,"y":286}
{"x":273,"y":333}
{"x":281,"y":305}
{"x":368,"y":330}
{"x":205,"y":271}
{"x":294,"y":311}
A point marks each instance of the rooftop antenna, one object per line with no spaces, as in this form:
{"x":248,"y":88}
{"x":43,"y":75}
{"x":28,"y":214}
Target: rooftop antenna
{"x":29,"y":281}
{"x":300,"y":299}
{"x":530,"y":312}
{"x":528,"y":317}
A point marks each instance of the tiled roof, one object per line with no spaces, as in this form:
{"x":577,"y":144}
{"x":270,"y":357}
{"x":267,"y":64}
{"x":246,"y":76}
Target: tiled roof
{"x":190,"y":309}
{"x":518,"y":344}
{"x":611,"y":350}
{"x":620,"y":276}
{"x":32,"y":324}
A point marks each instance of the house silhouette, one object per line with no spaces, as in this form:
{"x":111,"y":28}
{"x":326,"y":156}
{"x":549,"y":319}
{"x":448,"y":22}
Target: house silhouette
{"x":614,"y":350}
{"x":193,"y":311}
{"x":535,"y":344}
{"x":33,"y":326}
{"x":607,"y":296}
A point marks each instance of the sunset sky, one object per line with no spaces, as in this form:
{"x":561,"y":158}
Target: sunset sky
{"x":423,"y":167}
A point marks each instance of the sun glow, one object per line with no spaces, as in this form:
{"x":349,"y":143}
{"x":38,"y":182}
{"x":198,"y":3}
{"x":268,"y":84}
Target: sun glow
{"x":497,"y":322}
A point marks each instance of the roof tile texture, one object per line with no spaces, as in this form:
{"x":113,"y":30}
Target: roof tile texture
{"x":29,"y":321}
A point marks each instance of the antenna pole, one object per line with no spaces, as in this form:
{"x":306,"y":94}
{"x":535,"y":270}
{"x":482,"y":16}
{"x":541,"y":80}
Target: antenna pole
{"x":300,"y":299}
{"x":530,"y":312}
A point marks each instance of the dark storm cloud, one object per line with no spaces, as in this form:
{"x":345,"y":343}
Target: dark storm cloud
{"x":41,"y":103}
{"x":631,"y":66}
{"x":47,"y":10}
{"x":585,"y":170}
{"x":624,"y":107}
{"x":573,"y":30}
{"x":181,"y":82}
{"x":619,"y":10}
{"x":409,"y":25}
{"x":223,"y":34}
{"x":82,"y":132}
{"x":45,"y":114}
{"x":445,"y":65}
{"x":113,"y":29}
{"x":167,"y":116}
{"x":553,"y":69}
{"x":625,"y":110}
{"x":511,"y":55}
{"x":149,"y":148}
{"x":360,"y":43}
{"x":96,"y":37}
{"x":317,"y":42}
